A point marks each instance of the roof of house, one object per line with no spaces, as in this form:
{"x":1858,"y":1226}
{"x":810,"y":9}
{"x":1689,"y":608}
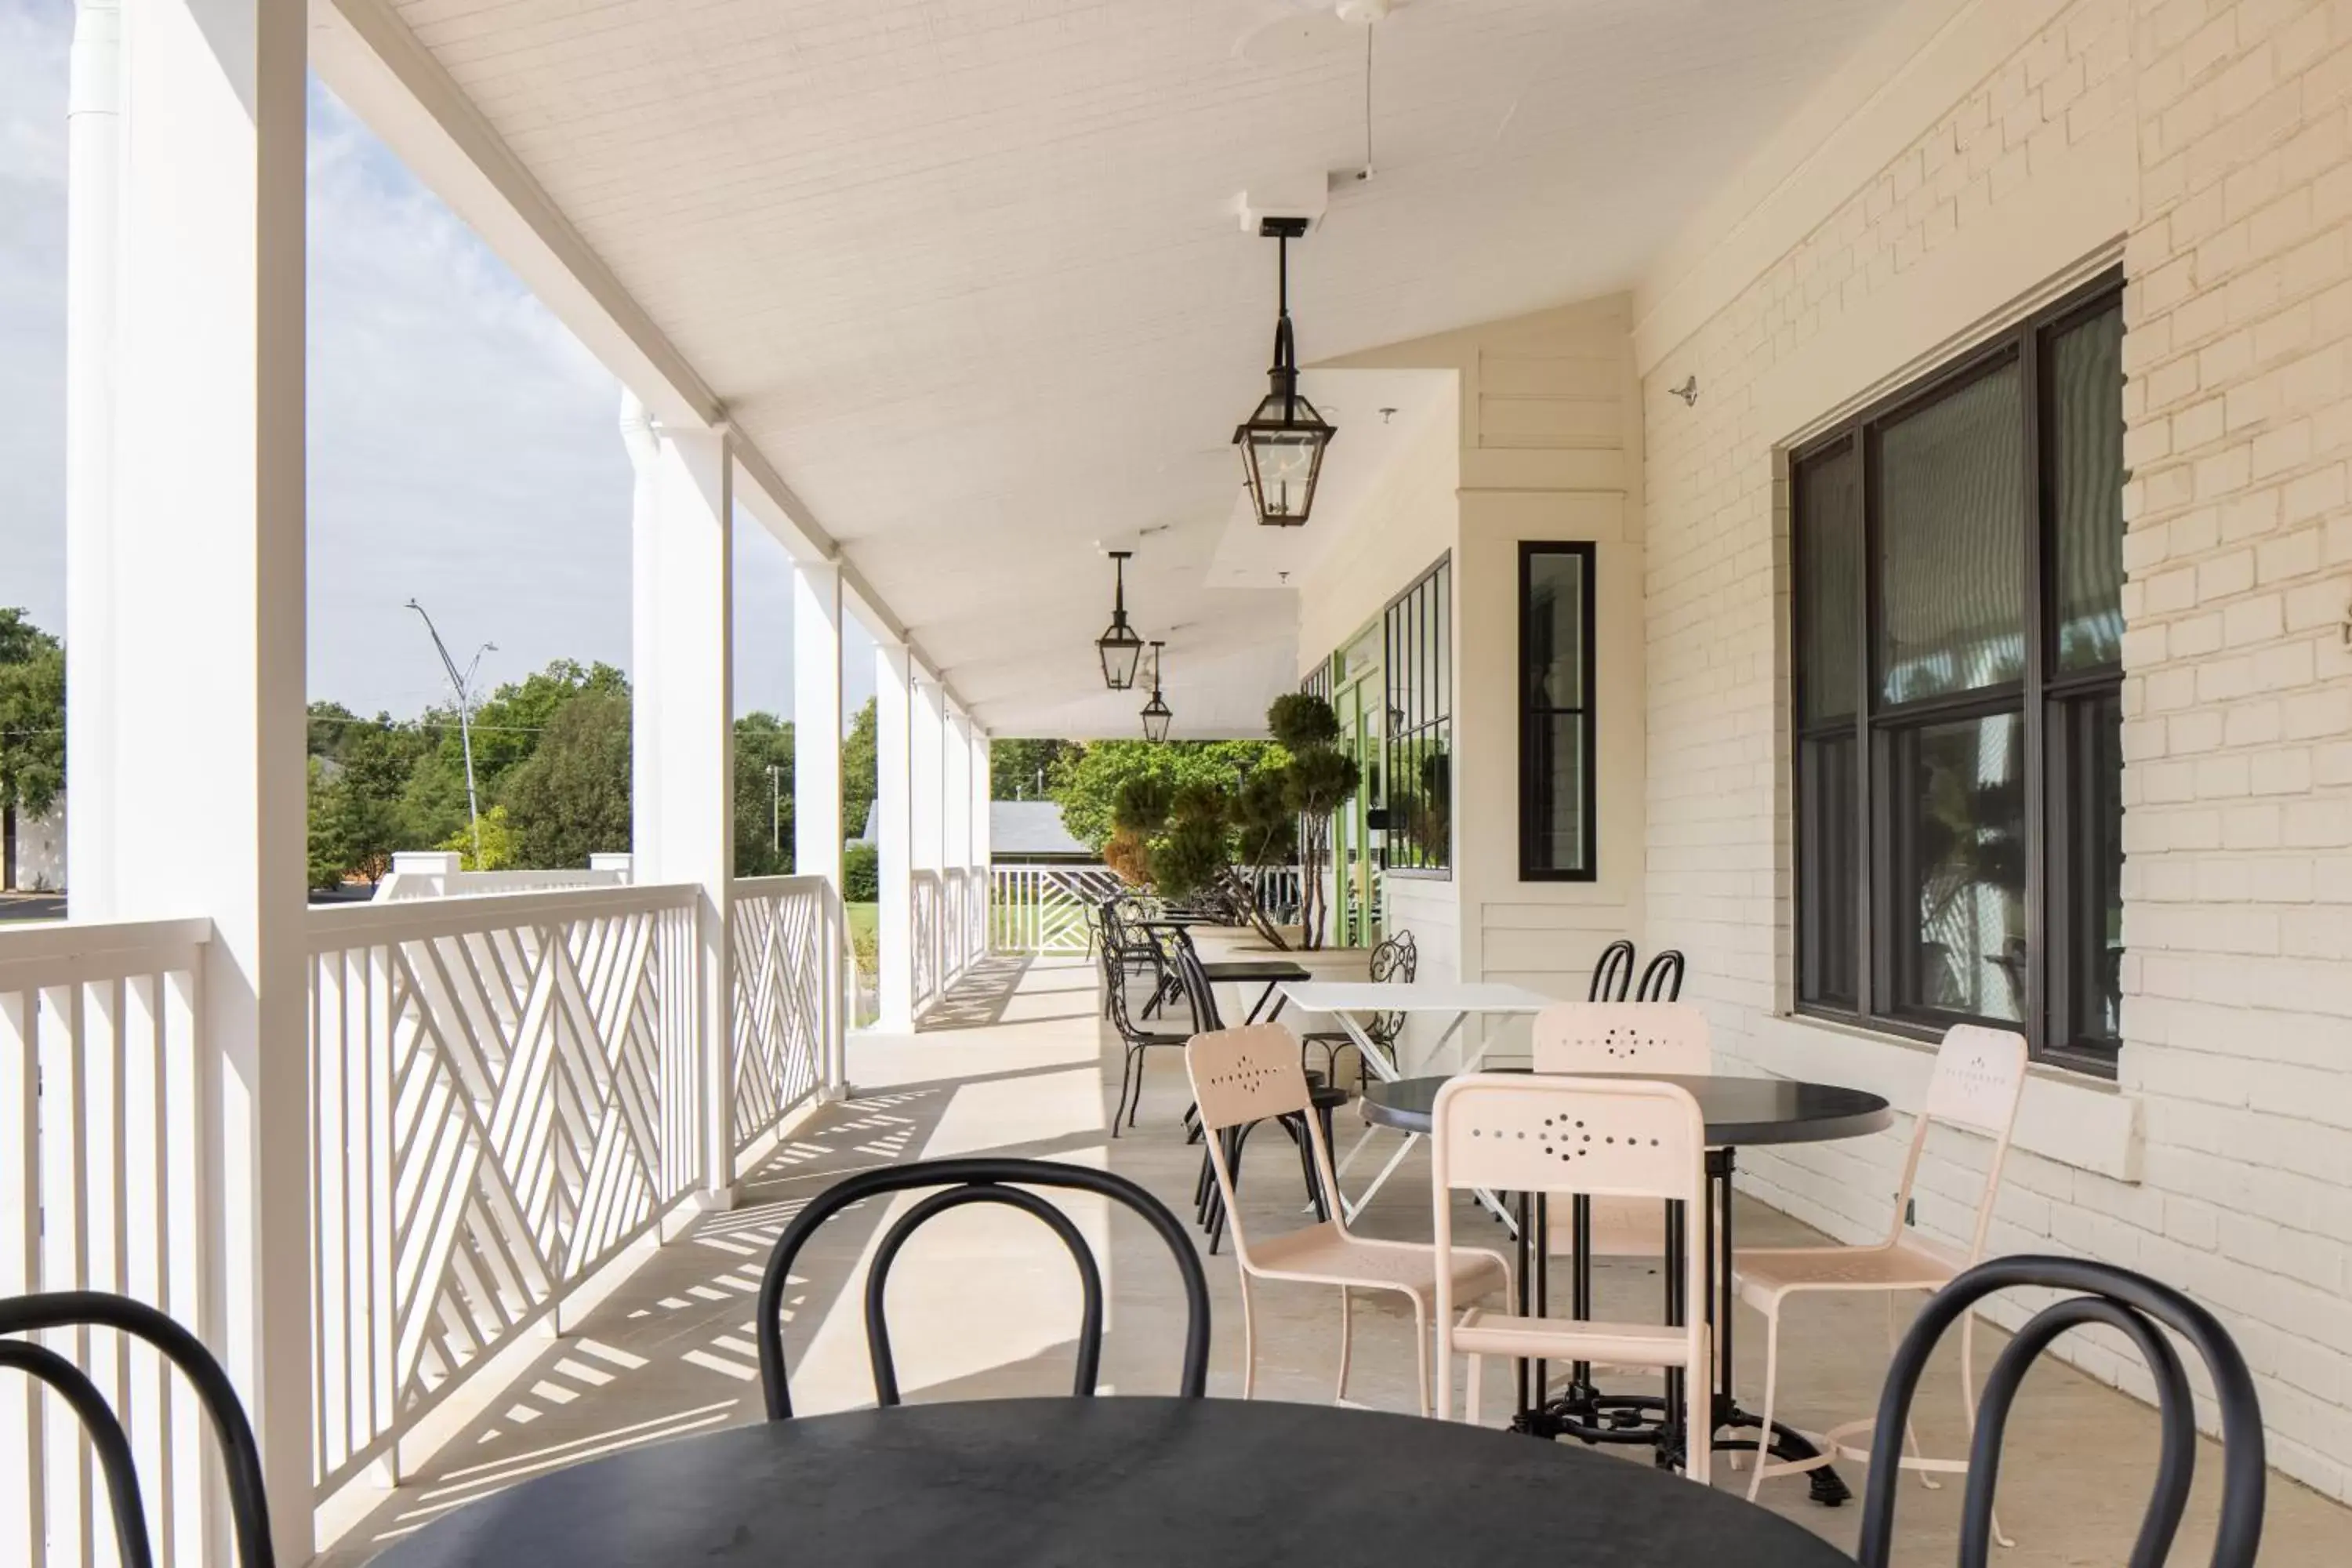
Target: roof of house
{"x":1021,"y":828}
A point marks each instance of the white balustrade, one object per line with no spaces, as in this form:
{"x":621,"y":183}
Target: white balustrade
{"x":928,"y":981}
{"x":504,"y":1096}
{"x":1046,"y":909}
{"x":788,"y":964}
{"x":504,"y":1099}
{"x":108,"y":1148}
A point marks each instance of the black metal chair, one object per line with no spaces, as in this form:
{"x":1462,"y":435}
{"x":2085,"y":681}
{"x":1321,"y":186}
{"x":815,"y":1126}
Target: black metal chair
{"x":240,"y":1458}
{"x":978,"y":1181}
{"x":1138,"y":1039}
{"x":1122,"y":947}
{"x":1662,"y":978}
{"x":2121,"y":1299}
{"x":1613,"y":976}
{"x":1394,"y":960}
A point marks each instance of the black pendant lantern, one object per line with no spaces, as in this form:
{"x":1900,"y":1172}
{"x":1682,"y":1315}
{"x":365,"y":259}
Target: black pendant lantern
{"x":1282,"y":439}
{"x":1157,"y":716}
{"x":1120,"y":647}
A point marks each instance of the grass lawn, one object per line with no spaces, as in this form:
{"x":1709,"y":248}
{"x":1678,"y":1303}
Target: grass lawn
{"x":863,"y":922}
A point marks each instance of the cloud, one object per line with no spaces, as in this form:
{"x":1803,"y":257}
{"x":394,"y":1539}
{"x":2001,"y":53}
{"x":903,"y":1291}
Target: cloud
{"x":461,"y":442}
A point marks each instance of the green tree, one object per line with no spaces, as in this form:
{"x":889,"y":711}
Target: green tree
{"x":1025,"y":770}
{"x":32,"y":726}
{"x":570,"y":797}
{"x":763,"y":804}
{"x":861,"y":874}
{"x":498,"y":840}
{"x":860,"y":767}
{"x":509,"y":728}
{"x":357,"y":802}
{"x":1319,"y":780}
{"x":1089,"y":781}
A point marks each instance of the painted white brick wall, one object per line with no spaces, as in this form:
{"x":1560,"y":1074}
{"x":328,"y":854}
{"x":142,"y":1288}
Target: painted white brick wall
{"x":2237,"y":694}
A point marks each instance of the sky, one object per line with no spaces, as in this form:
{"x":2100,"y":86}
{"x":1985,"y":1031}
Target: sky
{"x":463,"y":445}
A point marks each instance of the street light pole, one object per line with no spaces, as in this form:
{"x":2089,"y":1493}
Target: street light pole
{"x":775,"y":808}
{"x":463,"y":686}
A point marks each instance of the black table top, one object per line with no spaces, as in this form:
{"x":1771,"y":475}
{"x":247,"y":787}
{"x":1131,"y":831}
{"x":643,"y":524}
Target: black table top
{"x":1738,"y":1111}
{"x":1140,"y":1482}
{"x":1275,"y":969}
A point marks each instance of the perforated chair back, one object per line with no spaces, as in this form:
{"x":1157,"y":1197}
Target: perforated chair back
{"x":1613,"y":976}
{"x":978,"y":1181}
{"x":1978,"y":1077}
{"x":1662,"y":978}
{"x":1604,"y":1137}
{"x":2117,"y":1299}
{"x":1664,"y":1037}
{"x":240,"y":1458}
{"x":1245,"y":1075}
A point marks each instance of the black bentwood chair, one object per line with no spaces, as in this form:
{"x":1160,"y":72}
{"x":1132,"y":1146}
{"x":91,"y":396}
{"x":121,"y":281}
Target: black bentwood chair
{"x":240,"y":1459}
{"x":2121,"y":1299}
{"x":1613,"y":976}
{"x":1662,"y":978}
{"x":979,"y":1180}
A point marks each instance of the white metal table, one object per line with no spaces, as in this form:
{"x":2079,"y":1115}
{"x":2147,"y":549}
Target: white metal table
{"x":1348,"y":1000}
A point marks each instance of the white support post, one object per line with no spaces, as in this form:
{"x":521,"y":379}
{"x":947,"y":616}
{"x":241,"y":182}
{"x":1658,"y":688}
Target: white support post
{"x":930,"y":797}
{"x":894,"y":833}
{"x":682,"y":792}
{"x":955,"y":820}
{"x":816,"y":784}
{"x":982,"y":792}
{"x":185,"y":556}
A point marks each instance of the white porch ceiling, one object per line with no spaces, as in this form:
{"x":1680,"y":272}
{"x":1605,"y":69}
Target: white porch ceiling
{"x":968,"y":271}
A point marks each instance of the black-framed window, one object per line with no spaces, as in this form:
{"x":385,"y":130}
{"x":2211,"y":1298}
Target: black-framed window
{"x":1418,"y":738}
{"x":1557,"y":788}
{"x":1957,"y":645}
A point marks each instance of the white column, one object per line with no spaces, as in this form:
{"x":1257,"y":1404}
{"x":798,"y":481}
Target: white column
{"x":185,"y":619}
{"x":983,"y":793}
{"x":681,"y":776}
{"x":955,"y":841}
{"x":894,"y":833}
{"x":816,"y":780}
{"x":94,"y":186}
{"x":930,"y":798}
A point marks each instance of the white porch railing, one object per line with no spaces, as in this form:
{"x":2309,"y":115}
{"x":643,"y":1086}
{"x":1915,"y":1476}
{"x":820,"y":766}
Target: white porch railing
{"x":1045,"y":909}
{"x":106,"y":1154}
{"x":787,"y":999}
{"x":929,"y":903}
{"x":505,"y":1094}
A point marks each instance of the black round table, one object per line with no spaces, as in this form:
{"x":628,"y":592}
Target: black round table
{"x":1751,"y":1111}
{"x":1738,"y":1110}
{"x":1140,"y":1482}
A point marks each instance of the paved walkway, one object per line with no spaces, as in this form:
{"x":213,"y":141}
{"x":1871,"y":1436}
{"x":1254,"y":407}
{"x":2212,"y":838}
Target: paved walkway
{"x":983,"y":1302}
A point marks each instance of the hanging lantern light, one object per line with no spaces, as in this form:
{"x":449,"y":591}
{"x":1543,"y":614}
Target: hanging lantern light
{"x":1120,"y":648}
{"x":1282,"y":439}
{"x":1157,"y":715}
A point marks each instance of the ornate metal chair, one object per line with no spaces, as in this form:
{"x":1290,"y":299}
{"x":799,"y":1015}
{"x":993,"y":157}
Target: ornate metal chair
{"x":1394,"y":960}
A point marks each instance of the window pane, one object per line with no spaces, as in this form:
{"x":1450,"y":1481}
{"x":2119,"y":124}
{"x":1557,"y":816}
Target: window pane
{"x":1829,"y":892}
{"x":1829,"y":567}
{"x":2087,"y":903}
{"x":1957,"y":866}
{"x":1952,"y":534}
{"x":1553,"y":809}
{"x":2086,"y":468}
{"x":1554,"y":621}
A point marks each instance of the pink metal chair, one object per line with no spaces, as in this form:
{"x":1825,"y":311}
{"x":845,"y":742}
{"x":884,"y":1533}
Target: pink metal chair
{"x":1668,"y":1039}
{"x":1252,"y":1073}
{"x":1602,"y":1137}
{"x":1980,"y":1075}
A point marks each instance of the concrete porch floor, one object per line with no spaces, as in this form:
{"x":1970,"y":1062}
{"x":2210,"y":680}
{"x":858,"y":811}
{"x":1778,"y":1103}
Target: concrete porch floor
{"x":1016,"y":1061}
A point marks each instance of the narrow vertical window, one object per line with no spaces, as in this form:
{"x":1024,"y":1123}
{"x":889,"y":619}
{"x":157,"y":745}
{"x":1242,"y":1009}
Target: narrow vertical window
{"x":1557,"y":766}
